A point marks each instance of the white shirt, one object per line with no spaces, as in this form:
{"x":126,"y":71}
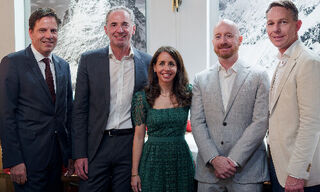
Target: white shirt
{"x":121,"y":91}
{"x":38,"y":56}
{"x":227,"y":78}
{"x":281,"y":67}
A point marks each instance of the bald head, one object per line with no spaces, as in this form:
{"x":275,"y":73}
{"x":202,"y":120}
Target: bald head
{"x":226,"y":41}
{"x":226,"y":22}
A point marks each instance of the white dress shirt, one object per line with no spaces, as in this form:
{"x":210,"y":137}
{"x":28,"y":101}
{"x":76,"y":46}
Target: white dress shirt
{"x":227,"y":78}
{"x":38,"y":56}
{"x":281,"y":67}
{"x":121,"y":91}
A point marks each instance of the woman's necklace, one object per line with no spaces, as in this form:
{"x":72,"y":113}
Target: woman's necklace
{"x":165,"y":95}
{"x":169,"y":96}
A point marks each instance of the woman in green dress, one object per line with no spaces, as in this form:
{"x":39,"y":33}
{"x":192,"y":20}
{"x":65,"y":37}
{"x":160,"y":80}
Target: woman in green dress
{"x":164,"y":163}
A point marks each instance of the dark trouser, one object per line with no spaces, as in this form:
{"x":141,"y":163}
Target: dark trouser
{"x":110,"y":169}
{"x":276,"y":187}
{"x":47,"y":179}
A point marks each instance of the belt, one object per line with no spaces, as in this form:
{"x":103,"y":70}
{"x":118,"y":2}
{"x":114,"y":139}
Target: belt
{"x":166,"y":139}
{"x":118,"y":132}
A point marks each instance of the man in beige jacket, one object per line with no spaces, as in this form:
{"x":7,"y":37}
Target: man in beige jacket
{"x":294,"y":122}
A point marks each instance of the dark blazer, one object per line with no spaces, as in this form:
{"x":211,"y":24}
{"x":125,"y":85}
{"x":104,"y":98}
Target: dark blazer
{"x":29,"y":120}
{"x":92,"y":99}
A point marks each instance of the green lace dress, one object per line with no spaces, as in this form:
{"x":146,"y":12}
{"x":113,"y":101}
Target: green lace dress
{"x":166,"y":162}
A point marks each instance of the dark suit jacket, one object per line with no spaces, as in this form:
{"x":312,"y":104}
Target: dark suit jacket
{"x":92,"y":99}
{"x":28,"y":117}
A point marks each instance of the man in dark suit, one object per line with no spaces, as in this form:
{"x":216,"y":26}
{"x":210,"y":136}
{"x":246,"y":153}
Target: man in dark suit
{"x":102,"y":132}
{"x":35,"y":109}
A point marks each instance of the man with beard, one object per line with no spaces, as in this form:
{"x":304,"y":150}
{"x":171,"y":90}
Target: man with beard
{"x":229,"y":117}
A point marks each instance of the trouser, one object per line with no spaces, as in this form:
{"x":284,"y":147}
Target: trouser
{"x":228,"y":185}
{"x":276,"y":187}
{"x":46,"y":179}
{"x":110,"y":169}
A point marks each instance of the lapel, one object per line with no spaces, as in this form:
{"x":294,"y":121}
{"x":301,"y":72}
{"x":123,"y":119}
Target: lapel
{"x":242,"y":74}
{"x":289,"y":66}
{"x":33,"y":64}
{"x":59,"y":77}
{"x":103,"y":71}
{"x":138,"y":69}
{"x":215,"y":87}
{"x":270,"y":90}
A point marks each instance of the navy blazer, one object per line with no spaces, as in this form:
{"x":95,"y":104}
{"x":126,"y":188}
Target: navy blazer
{"x":92,"y":98}
{"x":29,"y":120}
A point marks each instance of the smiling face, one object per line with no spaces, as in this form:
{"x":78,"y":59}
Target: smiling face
{"x":119,"y":28}
{"x":226,"y":40}
{"x":44,"y":35}
{"x":165,"y":68}
{"x":282,"y":29}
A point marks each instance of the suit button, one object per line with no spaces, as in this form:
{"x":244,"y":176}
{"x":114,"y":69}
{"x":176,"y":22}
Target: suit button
{"x":221,"y":142}
{"x":224,"y":123}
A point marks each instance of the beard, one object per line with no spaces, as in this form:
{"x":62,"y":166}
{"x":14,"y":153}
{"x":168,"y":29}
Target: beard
{"x":226,"y":55}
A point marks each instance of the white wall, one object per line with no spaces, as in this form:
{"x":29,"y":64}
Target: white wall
{"x":189,"y":30}
{"x":7,"y":27}
{"x":13,"y":20}
{"x":19,"y":25}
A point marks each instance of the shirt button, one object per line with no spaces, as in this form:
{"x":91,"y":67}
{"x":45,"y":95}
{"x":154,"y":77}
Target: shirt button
{"x":224,"y":123}
{"x":221,"y":142}
{"x":56,"y":132}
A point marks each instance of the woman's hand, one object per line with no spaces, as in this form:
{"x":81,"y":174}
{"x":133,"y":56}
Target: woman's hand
{"x":135,"y":183}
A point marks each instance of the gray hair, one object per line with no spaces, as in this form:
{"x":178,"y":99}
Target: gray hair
{"x":117,"y":8}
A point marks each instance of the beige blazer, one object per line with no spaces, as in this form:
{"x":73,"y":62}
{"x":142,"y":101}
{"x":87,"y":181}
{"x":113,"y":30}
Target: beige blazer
{"x":294,"y":121}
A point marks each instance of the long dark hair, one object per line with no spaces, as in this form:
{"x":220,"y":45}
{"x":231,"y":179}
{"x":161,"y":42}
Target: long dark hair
{"x":180,"y":88}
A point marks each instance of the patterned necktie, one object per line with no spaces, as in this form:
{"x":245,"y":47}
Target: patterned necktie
{"x":49,"y":78}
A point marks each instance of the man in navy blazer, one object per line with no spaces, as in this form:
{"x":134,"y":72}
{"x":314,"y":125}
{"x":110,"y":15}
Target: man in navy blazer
{"x":102,"y":131}
{"x":35,"y":109}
